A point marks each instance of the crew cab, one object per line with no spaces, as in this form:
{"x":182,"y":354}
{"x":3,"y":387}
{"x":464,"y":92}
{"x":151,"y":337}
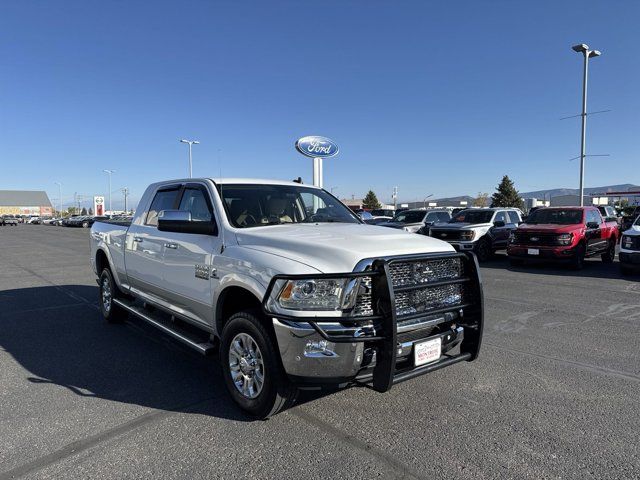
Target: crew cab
{"x":629,"y":254}
{"x":568,"y":234}
{"x":289,"y":285}
{"x":479,"y":230}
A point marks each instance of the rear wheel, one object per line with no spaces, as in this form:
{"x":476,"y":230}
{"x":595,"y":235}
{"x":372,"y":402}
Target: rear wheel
{"x":577,"y":263}
{"x":251,"y":367}
{"x":85,"y":224}
{"x":108,"y":292}
{"x":610,"y":254}
{"x":483,"y":249}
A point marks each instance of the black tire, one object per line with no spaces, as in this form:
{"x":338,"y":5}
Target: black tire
{"x":276,"y":392}
{"x":577,"y":262}
{"x":483,"y":249}
{"x":111,"y":312}
{"x":610,"y":255}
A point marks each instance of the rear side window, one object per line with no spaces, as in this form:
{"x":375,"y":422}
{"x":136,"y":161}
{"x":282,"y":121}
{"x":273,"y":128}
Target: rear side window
{"x":164,"y":200}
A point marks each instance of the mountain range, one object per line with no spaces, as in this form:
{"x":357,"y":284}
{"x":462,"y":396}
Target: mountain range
{"x":554,"y":192}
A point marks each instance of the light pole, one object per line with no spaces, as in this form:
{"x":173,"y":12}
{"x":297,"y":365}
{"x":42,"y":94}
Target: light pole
{"x":584,"y":49}
{"x":59,"y":197}
{"x":109,"y":172}
{"x":424,"y":202}
{"x":190,"y":142}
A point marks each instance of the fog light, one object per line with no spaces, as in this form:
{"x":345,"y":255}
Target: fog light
{"x":315,"y":348}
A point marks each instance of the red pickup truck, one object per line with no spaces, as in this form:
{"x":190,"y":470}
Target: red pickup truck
{"x":567,"y":234}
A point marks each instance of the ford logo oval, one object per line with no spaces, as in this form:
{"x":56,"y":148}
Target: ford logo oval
{"x":316,"y":147}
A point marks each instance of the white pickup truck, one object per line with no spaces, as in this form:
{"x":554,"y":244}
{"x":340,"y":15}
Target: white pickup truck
{"x":291,"y":287}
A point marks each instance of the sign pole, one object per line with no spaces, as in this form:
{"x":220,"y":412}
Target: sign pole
{"x":317,"y":172}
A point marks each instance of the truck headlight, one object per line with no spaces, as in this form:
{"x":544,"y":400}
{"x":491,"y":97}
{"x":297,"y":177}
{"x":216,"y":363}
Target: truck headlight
{"x":467,"y":235}
{"x":565,"y":239}
{"x":627,"y":241}
{"x":313,"y":294}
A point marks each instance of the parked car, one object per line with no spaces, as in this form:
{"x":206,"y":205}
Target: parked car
{"x":383,"y":212}
{"x":34,"y":220}
{"x":629,"y":254}
{"x":480,"y":230}
{"x":9,"y":220}
{"x":629,"y":216}
{"x":413,"y":220}
{"x":609,"y":213}
{"x":568,"y":234}
{"x":294,"y":288}
{"x":377,"y":220}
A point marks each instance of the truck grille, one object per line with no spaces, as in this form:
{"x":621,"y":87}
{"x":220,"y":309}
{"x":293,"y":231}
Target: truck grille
{"x":533,"y":238}
{"x":446,"y":235}
{"x":413,"y":292}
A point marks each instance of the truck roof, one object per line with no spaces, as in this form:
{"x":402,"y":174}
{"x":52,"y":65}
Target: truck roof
{"x":255,"y":181}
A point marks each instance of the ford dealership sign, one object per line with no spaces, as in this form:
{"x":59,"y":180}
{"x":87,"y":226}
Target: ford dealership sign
{"x":316,"y":147}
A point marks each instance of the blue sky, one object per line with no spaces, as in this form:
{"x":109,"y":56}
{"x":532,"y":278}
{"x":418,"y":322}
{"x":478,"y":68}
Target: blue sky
{"x":437,"y":98}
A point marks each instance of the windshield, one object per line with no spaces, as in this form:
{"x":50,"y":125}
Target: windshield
{"x":637,"y":222}
{"x":259,"y":205}
{"x":555,"y":216}
{"x":382,"y":213}
{"x":409,"y":216}
{"x":472,"y":216}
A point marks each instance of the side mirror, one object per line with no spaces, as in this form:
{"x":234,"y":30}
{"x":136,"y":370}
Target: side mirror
{"x":593,"y":225}
{"x":180,"y":221}
{"x":499,"y":223}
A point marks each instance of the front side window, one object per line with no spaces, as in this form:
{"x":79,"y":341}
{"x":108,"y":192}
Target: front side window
{"x":501,"y":217}
{"x":194,"y":201}
{"x":513,"y":217}
{"x":164,"y":200}
{"x":259,"y":205}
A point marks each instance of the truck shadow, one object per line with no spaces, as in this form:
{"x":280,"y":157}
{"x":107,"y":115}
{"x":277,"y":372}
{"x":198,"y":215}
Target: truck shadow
{"x":593,"y":268}
{"x":58,"y":336}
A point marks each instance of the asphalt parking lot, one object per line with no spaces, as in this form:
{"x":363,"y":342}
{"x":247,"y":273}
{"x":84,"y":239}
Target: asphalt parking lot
{"x":554,"y":394}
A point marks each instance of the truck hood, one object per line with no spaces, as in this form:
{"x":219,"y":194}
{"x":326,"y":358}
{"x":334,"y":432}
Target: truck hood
{"x":336,"y":247}
{"x":459,"y":226}
{"x":549,"y":228}
{"x":634,"y":231}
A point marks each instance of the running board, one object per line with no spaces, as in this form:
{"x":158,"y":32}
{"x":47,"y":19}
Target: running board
{"x":205,"y":348}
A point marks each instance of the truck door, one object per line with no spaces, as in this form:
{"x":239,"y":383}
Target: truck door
{"x":144,"y":245}
{"x":593,"y":232}
{"x":500,"y":232}
{"x":189,"y":277}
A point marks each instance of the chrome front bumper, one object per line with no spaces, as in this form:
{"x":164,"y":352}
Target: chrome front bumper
{"x":308,"y":359}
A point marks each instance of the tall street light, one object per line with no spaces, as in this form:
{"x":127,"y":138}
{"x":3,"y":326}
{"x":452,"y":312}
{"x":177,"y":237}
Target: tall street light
{"x":424,"y":202}
{"x":109,"y":172}
{"x":584,"y":49}
{"x":59,"y":197}
{"x":190,"y":142}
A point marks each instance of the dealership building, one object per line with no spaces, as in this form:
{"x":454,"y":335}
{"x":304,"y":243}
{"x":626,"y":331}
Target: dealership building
{"x":25,"y":202}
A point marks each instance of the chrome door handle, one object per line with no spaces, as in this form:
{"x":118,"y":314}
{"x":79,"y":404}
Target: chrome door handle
{"x":137,"y":239}
{"x":171,"y":245}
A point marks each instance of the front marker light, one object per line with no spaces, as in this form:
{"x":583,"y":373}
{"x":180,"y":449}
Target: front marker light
{"x":312,"y":294}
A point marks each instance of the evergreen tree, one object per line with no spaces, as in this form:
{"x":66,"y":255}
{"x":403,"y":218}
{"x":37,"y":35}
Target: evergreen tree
{"x":370,"y":201}
{"x":506,"y":195}
{"x":84,"y":211}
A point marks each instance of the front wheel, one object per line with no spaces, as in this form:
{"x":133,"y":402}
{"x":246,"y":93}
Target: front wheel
{"x":610,"y":254}
{"x":577,"y":263}
{"x":251,"y":367}
{"x":483,"y":249}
